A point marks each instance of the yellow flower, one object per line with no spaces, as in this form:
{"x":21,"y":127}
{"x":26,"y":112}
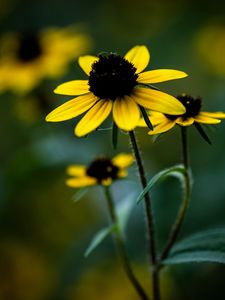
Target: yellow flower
{"x":101,"y":171}
{"x":114,"y":84}
{"x":27,"y":58}
{"x":165,"y":122}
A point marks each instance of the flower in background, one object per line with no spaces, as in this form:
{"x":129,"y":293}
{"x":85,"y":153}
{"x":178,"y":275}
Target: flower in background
{"x":212,"y":36}
{"x":101,"y":171}
{"x":193,"y":115}
{"x":116,"y":84}
{"x":27,"y":58}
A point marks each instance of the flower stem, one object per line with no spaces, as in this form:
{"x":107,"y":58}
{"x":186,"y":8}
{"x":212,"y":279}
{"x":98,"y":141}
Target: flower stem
{"x":149,"y":216}
{"x":186,"y":197}
{"x":121,"y":247}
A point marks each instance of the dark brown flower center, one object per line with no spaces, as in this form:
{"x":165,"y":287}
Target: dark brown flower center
{"x":102,"y":168}
{"x":29,"y":47}
{"x":112,"y":76}
{"x":192,"y":105}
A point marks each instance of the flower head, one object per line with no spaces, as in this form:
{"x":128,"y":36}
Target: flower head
{"x":27,"y":58}
{"x":116,"y":84}
{"x":101,"y":171}
{"x":164,"y":122}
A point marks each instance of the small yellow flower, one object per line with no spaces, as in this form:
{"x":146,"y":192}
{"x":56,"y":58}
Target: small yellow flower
{"x":101,"y":171}
{"x":164,"y":122}
{"x":116,"y":84}
{"x":27,"y":58}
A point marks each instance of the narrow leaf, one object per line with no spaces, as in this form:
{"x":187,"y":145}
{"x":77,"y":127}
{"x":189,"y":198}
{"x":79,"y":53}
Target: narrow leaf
{"x":98,"y":238}
{"x":206,"y":246}
{"x":202,"y":133}
{"x":213,"y":239}
{"x":146,"y":118}
{"x":80,"y":194}
{"x":175,"y":171}
{"x":196,"y":257}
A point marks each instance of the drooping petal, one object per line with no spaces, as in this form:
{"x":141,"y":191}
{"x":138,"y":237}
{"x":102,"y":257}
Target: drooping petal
{"x":107,"y":181}
{"x":161,"y":75}
{"x":139,"y":56}
{"x":86,"y":62}
{"x":81,"y":181}
{"x":72,"y":108}
{"x":123,"y":160}
{"x":185,"y":122}
{"x":217,"y":115}
{"x":122,"y":173}
{"x":154,"y":117}
{"x":73,"y":88}
{"x":162,"y":127}
{"x":158,"y":101}
{"x":94,"y":117}
{"x":76,"y":170}
{"x":126,"y":113}
{"x":206,"y":120}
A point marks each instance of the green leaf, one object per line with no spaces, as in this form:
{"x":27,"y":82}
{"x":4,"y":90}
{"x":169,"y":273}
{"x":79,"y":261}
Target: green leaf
{"x":206,"y":246}
{"x":80,"y":194}
{"x":208,"y":239}
{"x":114,"y":135}
{"x":177,"y":171}
{"x":146,"y":118}
{"x":99,"y":238}
{"x":196,"y":257}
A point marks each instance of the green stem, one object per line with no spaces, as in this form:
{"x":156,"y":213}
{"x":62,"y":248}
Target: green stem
{"x":186,"y":198}
{"x":149,"y":216}
{"x":121,"y":247}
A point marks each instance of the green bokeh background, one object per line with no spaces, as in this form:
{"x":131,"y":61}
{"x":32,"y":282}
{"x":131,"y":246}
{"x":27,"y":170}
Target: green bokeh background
{"x":43,"y":233}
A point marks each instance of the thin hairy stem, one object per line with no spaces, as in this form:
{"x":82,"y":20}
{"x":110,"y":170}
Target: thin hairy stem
{"x":149,"y":216}
{"x":121,"y":248}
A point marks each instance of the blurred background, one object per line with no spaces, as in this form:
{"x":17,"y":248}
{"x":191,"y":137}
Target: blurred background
{"x":44,"y":233}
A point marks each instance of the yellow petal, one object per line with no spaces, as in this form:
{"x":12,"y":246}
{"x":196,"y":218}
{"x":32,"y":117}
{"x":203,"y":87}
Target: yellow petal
{"x":218,"y":115}
{"x":139,"y":56}
{"x":123,"y":160}
{"x":73,"y":88}
{"x":154,"y":117}
{"x":158,"y":101}
{"x":161,"y":75}
{"x":126,"y":113}
{"x":185,"y":122}
{"x":162,"y":127}
{"x":76,"y":170}
{"x":206,"y":120}
{"x":94,"y":117}
{"x":72,"y":108}
{"x":86,"y":62}
{"x":81,"y":182}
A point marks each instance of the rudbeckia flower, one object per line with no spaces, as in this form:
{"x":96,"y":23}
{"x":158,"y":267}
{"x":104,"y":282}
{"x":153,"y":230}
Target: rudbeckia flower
{"x":116,"y":84}
{"x":101,"y":171}
{"x":164,"y":122}
{"x":27,"y":58}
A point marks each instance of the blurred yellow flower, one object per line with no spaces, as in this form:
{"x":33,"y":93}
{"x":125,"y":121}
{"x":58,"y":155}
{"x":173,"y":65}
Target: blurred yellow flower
{"x":165,"y":122}
{"x":114,"y":84}
{"x":212,"y":37}
{"x":101,"y":171}
{"x":27,"y":58}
